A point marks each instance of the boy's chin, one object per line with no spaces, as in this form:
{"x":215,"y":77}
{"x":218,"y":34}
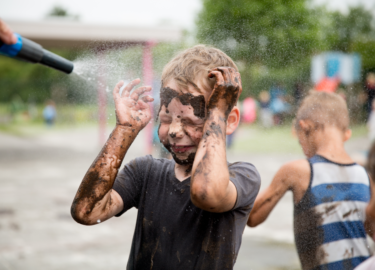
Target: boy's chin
{"x":189,"y":160}
{"x":184,"y":161}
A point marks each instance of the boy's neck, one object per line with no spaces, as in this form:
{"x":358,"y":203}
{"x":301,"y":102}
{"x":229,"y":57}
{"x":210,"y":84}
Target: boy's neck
{"x":330,"y":144}
{"x":182,"y":172}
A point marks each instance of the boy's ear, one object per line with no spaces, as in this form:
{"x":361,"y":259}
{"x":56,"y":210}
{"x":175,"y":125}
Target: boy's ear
{"x":233,"y":120}
{"x":303,"y":124}
{"x":347,"y":134}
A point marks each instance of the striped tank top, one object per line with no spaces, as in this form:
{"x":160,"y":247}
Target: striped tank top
{"x":328,"y":221}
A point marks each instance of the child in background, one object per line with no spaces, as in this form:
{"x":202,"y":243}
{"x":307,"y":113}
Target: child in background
{"x":330,"y":191}
{"x":371,"y":122}
{"x":266,"y":116}
{"x":49,"y":113}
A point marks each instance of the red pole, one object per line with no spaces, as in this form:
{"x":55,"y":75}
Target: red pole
{"x":102,"y":98}
{"x":147,"y":79}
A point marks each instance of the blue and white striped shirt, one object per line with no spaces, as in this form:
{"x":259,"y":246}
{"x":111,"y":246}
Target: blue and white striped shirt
{"x":328,"y":221}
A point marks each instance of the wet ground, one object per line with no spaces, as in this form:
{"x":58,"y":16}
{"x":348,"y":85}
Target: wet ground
{"x":40,"y":174}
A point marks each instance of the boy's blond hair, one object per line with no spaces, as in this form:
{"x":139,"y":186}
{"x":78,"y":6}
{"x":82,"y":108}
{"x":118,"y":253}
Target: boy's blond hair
{"x":194,"y":62}
{"x":323,"y":109}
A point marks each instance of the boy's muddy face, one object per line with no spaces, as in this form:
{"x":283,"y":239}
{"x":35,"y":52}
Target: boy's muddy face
{"x":182,"y":116}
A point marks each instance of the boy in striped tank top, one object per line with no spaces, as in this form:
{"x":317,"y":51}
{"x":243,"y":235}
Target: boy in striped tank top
{"x":330,"y":191}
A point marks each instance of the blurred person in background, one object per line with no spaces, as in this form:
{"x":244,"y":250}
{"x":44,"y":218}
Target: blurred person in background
{"x":249,"y":113}
{"x":278,"y":104}
{"x":277,"y":91}
{"x":298,"y":92}
{"x":370,"y":91}
{"x":279,"y":108}
{"x":371,"y":123}
{"x":6,"y":35}
{"x":265,"y":112}
{"x":49,"y":113}
{"x":330,"y":191}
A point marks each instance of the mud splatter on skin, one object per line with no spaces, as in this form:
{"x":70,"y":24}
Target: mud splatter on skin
{"x":188,"y":161}
{"x":100,"y":177}
{"x":213,"y":128}
{"x":196,"y":102}
{"x":188,"y":170}
{"x":226,"y":90}
{"x":221,"y":102}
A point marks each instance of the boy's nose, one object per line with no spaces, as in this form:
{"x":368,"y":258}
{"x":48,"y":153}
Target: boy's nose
{"x":176,"y":130}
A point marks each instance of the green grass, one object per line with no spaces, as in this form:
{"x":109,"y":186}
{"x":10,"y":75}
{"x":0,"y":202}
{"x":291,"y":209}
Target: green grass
{"x":22,"y":123}
{"x":255,"y":139}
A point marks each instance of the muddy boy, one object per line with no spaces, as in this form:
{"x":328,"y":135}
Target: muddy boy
{"x":192,"y":210}
{"x":330,"y":191}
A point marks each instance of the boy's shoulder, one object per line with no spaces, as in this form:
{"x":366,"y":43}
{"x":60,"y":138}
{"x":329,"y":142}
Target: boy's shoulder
{"x":244,"y":172}
{"x":243,"y":168}
{"x":246,"y":179}
{"x":295,"y":171}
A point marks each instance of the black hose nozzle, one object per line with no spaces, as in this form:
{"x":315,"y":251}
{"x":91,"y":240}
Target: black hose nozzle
{"x":30,"y":51}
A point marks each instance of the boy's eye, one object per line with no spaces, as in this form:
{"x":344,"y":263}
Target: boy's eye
{"x":189,"y":122}
{"x":165,"y":120}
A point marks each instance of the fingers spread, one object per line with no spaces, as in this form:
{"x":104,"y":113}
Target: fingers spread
{"x":139,"y":91}
{"x":147,"y":99}
{"x":116,"y":90}
{"x":129,"y":87}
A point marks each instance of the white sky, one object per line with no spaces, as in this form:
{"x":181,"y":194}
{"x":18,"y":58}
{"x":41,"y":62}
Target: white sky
{"x":130,"y":12}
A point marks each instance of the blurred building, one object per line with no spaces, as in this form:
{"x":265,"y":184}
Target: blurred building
{"x":336,"y":66}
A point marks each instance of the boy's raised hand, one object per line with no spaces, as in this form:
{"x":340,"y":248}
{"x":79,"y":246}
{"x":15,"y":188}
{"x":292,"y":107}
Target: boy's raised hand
{"x":226,"y":91}
{"x":131,"y":109}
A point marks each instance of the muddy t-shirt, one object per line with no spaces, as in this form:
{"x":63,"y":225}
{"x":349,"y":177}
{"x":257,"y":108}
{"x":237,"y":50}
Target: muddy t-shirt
{"x":171,"y":232}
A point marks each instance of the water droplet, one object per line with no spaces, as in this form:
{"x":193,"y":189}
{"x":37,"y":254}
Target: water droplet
{"x":98,"y":221}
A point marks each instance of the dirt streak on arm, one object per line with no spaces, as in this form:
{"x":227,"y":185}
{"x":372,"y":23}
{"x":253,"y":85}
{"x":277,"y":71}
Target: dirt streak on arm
{"x":94,"y":199}
{"x":211,"y":188}
{"x":292,"y":176}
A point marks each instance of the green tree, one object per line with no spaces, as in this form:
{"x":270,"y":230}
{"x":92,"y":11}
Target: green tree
{"x":61,"y":12}
{"x":345,"y":29}
{"x":276,"y":33}
{"x":58,"y":11}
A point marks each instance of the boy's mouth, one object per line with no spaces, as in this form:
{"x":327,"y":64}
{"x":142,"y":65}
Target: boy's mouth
{"x":181,"y":148}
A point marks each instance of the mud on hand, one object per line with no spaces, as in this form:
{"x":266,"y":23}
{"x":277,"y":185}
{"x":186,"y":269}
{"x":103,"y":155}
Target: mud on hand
{"x":226,"y":90}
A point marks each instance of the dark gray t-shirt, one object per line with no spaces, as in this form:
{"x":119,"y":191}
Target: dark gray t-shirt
{"x":171,"y":232}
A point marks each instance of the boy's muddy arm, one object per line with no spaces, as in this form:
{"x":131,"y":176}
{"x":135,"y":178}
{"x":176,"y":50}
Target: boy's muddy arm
{"x":292,"y":176}
{"x":268,"y":198}
{"x":211,"y":189}
{"x":95,"y":200}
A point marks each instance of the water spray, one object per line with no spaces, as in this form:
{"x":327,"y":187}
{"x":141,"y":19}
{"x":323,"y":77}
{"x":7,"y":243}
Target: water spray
{"x":27,"y":50}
